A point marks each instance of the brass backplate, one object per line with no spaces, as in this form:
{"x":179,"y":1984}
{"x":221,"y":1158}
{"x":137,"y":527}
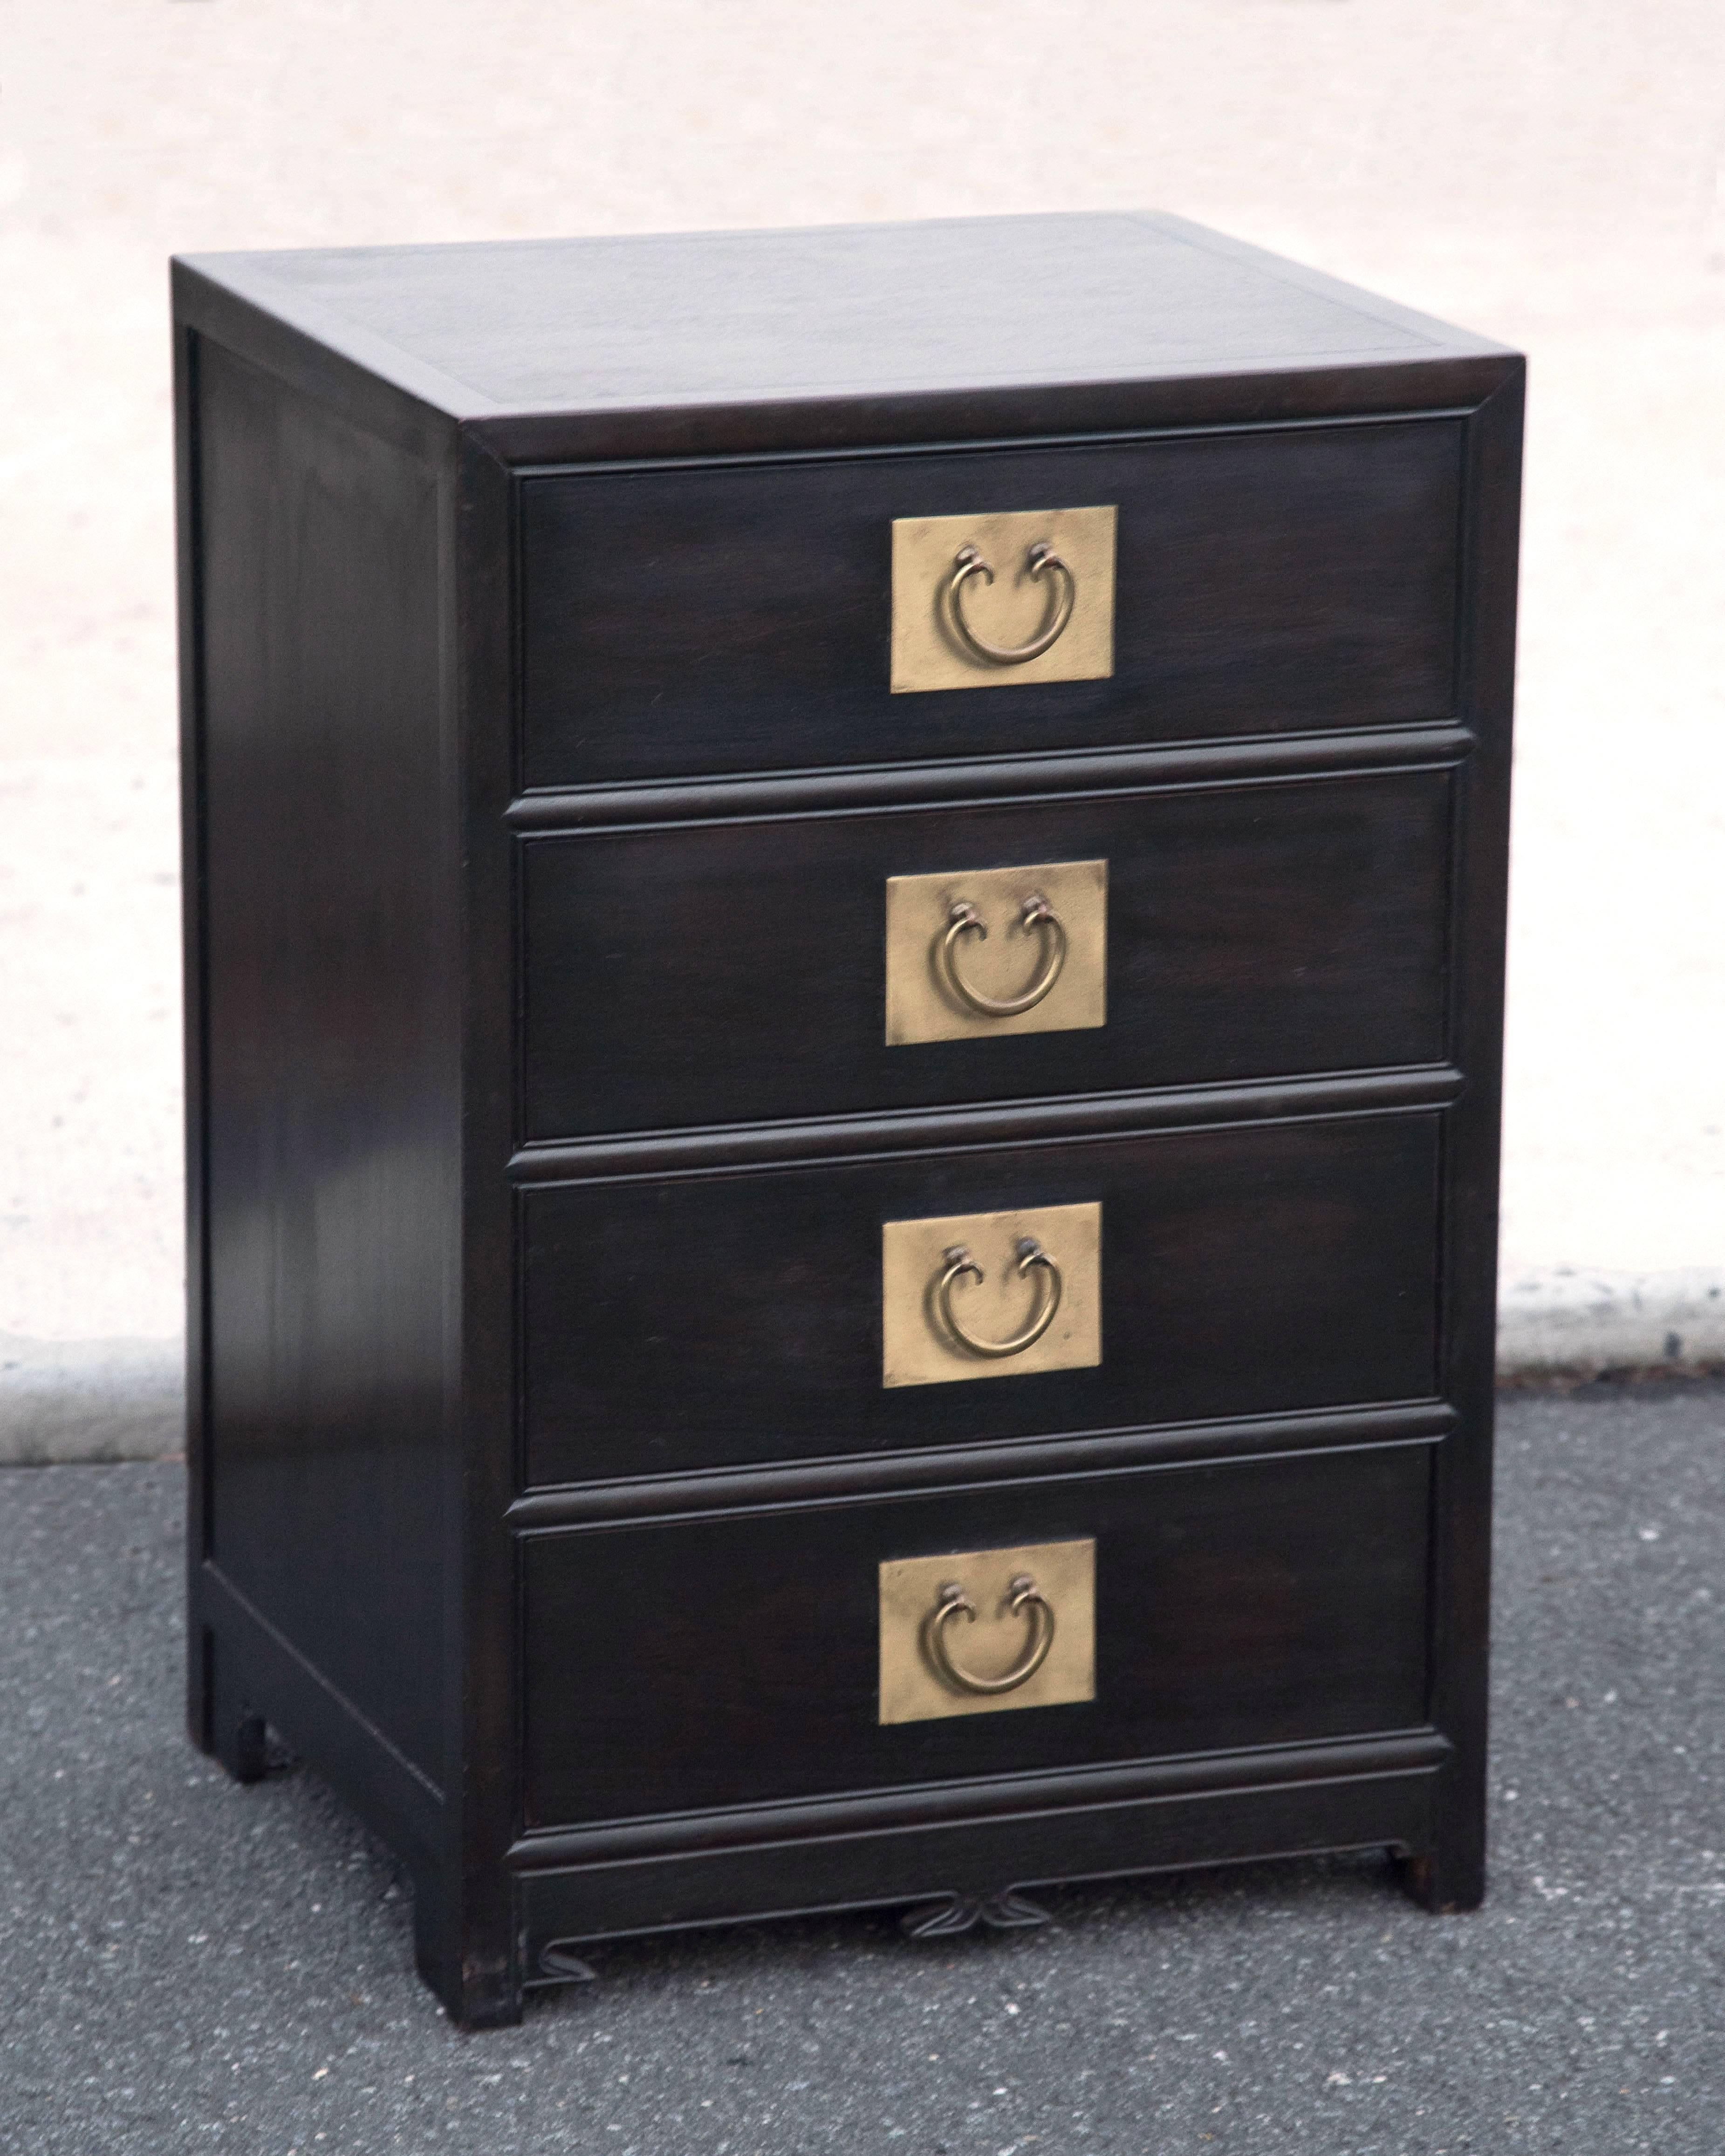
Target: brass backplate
{"x":912,"y":1688}
{"x":926,"y":653}
{"x":916,"y":1349}
{"x":920,"y":1004}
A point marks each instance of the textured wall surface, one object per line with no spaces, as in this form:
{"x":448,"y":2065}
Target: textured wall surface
{"x":1551,"y":172}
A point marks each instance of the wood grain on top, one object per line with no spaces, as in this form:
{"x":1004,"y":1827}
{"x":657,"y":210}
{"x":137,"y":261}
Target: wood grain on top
{"x":872,"y":310}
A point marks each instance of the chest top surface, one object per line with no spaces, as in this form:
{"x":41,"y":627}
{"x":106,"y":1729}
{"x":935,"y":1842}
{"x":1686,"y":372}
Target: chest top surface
{"x":979,"y":303}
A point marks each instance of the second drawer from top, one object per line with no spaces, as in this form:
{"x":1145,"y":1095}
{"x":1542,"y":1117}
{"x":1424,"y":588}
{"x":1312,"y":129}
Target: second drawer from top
{"x":717,"y":974}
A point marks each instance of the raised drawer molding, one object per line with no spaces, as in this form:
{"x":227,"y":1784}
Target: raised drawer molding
{"x":844,"y":982}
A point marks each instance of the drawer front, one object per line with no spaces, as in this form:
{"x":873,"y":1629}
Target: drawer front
{"x":738,"y":972}
{"x":714,"y":1320}
{"x":739,"y":618}
{"x":730,"y":1661}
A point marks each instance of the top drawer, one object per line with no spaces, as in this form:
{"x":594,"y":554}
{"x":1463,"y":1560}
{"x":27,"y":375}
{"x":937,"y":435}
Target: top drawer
{"x":737,"y":617}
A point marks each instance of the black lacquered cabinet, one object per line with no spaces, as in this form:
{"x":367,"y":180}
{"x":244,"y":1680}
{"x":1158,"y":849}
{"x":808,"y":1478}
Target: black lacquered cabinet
{"x":843,"y":980}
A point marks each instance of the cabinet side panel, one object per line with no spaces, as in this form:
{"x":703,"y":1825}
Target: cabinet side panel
{"x":1455,"y":1875}
{"x":332,"y":1118}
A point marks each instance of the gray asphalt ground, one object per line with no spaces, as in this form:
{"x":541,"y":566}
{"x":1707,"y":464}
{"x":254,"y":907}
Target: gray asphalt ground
{"x":189,"y":1965}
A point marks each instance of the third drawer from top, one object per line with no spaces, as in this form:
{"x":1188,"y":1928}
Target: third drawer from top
{"x":714,"y":1319}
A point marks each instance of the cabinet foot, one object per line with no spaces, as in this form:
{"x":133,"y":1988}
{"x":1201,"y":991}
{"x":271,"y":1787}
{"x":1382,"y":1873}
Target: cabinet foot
{"x":222,"y":1721}
{"x":470,"y":1965}
{"x":1440,"y":1887}
{"x":241,"y":1748}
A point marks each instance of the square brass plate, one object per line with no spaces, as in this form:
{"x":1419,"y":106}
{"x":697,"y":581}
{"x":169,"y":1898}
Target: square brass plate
{"x":916,"y":1347}
{"x":928,"y":651}
{"x":920,"y":1002}
{"x":912,"y":1688}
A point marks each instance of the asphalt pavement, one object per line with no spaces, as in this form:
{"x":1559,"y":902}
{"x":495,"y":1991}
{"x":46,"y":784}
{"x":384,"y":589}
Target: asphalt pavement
{"x":190,"y":1965}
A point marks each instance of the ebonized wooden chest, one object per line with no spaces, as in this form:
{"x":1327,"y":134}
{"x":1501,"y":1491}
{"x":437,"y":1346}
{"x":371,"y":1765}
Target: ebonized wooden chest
{"x":844,"y":964}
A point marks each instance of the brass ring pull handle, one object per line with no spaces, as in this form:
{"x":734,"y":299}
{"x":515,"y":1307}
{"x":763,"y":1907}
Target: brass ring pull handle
{"x":1031,"y":1256}
{"x":964,"y":920}
{"x":968,"y":562}
{"x":954,"y":1602}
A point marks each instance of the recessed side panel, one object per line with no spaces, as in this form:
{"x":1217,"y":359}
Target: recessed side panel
{"x":332,"y":982}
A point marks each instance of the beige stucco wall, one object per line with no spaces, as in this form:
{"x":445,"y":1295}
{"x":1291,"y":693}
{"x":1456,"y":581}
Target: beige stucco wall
{"x":1553,"y":174}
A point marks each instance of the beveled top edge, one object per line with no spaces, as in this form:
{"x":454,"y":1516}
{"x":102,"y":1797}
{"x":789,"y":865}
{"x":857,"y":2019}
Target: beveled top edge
{"x":561,"y":347}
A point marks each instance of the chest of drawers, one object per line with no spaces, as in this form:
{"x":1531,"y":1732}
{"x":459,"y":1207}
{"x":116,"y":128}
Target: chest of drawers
{"x":844,"y":977}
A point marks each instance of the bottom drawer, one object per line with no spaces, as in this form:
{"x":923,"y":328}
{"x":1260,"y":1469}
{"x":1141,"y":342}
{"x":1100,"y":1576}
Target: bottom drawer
{"x":734,"y":1659}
